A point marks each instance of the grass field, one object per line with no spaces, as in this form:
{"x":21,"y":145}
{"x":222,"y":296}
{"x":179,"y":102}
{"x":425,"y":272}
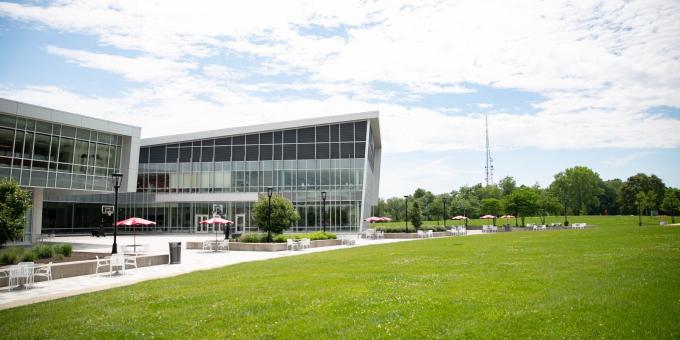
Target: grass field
{"x":612,"y":281}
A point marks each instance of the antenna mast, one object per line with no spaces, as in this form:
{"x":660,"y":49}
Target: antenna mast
{"x":489,"y":161}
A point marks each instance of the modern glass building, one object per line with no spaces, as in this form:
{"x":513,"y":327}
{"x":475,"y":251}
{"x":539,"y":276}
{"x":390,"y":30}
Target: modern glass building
{"x":181,"y":180}
{"x":56,"y":153}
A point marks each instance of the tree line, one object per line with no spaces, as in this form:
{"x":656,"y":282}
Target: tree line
{"x":575,"y":191}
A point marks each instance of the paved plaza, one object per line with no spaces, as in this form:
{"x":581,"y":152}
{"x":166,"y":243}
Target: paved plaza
{"x":191,"y":260}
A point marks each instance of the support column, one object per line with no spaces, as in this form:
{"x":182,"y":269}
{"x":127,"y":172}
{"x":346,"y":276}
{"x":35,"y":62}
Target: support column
{"x":36,"y":214}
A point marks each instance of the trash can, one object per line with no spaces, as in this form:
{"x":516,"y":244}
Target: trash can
{"x":506,"y":227}
{"x":175,"y":252}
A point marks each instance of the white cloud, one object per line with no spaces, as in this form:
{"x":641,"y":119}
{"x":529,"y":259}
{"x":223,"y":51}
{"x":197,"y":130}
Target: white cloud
{"x":140,"y":69}
{"x":600,"y":65}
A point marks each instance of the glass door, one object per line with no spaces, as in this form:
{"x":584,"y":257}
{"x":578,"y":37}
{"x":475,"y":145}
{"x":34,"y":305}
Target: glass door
{"x":202,"y":228}
{"x":239,"y":224}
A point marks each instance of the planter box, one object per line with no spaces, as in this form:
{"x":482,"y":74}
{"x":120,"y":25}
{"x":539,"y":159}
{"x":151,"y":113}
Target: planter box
{"x":78,"y":268}
{"x":413,"y":235}
{"x":243,"y":246}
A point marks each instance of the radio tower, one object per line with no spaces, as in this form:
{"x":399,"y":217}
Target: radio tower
{"x":489,"y":161}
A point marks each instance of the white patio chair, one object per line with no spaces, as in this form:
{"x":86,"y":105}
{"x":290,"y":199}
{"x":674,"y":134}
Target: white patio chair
{"x":370,"y":233}
{"x":44,"y":271}
{"x":102,"y":263}
{"x":224,"y":245}
{"x":542,"y":228}
{"x":131,"y":261}
{"x":25,"y":270}
{"x":290,"y":244}
{"x":207,"y":245}
{"x":380,"y":235}
{"x":117,"y":261}
{"x":420,"y":234}
{"x":429,"y":233}
{"x":305,"y":243}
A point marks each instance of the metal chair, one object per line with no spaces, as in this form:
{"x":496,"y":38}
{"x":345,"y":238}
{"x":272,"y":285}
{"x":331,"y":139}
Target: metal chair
{"x":44,"y":271}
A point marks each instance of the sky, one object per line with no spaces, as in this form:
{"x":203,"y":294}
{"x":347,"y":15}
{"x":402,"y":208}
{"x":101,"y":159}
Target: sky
{"x":592,"y":83}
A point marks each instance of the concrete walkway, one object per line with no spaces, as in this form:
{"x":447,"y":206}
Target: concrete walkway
{"x":192,"y":260}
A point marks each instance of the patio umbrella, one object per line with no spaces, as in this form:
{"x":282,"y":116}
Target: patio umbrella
{"x":217,"y":220}
{"x":459,"y":218}
{"x":489,"y":217}
{"x":133,"y":222}
{"x":507,"y":216}
{"x":385,"y":219}
{"x":373,"y":219}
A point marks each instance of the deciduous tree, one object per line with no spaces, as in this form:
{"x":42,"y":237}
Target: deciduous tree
{"x":283,"y":214}
{"x":14,"y":203}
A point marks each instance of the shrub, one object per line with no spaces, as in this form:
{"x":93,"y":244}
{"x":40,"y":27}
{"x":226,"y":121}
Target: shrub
{"x":11,"y":255}
{"x":28,"y":256}
{"x":281,"y":238}
{"x":433,"y":228}
{"x":253,"y":238}
{"x":43,"y":251}
{"x":314,"y":236}
{"x":395,"y":229}
{"x":65,"y":249}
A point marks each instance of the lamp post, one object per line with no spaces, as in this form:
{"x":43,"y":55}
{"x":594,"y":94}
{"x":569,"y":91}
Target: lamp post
{"x":117,"y":177}
{"x":323,"y":211}
{"x":566,"y":222}
{"x":639,"y":214}
{"x":269,"y":215}
{"x":444,"y":212}
{"x":406,"y":209}
{"x":465,"y":215}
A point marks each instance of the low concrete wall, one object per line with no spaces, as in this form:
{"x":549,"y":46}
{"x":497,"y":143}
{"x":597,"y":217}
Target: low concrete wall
{"x":78,"y":268}
{"x":413,"y":235}
{"x":242,"y":246}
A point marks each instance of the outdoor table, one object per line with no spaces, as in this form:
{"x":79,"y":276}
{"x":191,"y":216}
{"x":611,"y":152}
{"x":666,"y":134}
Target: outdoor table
{"x":214,"y":245}
{"x":297,"y":244}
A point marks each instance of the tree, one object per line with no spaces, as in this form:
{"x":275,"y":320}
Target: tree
{"x":507,"y":185}
{"x":491,"y":206}
{"x":394,"y":208}
{"x":547,"y":204}
{"x":416,"y":215}
{"x":283,"y":214}
{"x":610,"y":200}
{"x":671,"y":202}
{"x":579,"y":187}
{"x":644,"y":201}
{"x":640,"y":183}
{"x":437,"y":208}
{"x":524,"y":202}
{"x":13,"y":207}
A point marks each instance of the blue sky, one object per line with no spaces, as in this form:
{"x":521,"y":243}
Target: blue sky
{"x":562,"y":84}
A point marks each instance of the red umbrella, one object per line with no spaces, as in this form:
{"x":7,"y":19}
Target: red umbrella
{"x":459,"y":217}
{"x":385,"y":219}
{"x":216,"y":220}
{"x":373,"y":219}
{"x":135,"y":221}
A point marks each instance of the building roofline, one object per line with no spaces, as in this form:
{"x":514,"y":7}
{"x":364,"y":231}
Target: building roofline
{"x":240,"y":130}
{"x":67,"y":118}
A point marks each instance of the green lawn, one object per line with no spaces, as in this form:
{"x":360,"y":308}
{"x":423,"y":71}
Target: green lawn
{"x":613,"y":281}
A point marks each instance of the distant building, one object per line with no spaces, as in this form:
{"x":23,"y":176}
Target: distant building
{"x":66,"y":160}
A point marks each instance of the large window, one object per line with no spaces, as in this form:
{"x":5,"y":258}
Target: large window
{"x":39,"y":153}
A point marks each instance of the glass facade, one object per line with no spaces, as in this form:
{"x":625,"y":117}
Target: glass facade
{"x":47,"y":155}
{"x":297,"y":163}
{"x":179,"y":184}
